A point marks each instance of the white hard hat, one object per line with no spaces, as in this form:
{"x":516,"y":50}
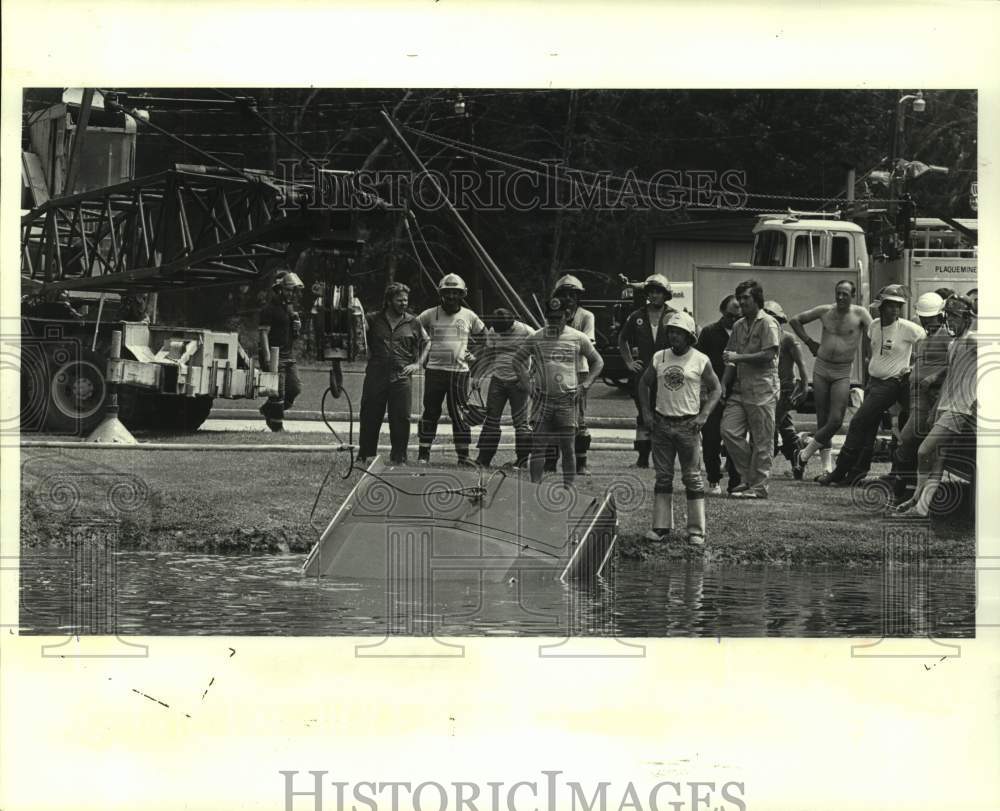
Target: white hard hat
{"x":929,"y":305}
{"x":775,"y":310}
{"x":658,"y":280}
{"x":452,"y":281}
{"x":682,"y":321}
{"x":893,"y":292}
{"x":286,"y":278}
{"x":569,"y":282}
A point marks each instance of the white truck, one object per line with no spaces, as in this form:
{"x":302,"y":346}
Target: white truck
{"x":798,"y":258}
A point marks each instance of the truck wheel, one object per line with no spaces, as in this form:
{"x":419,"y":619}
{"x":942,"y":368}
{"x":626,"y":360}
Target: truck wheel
{"x":76,"y":392}
{"x":34,"y":388}
{"x":166,"y":412}
{"x":194,"y":412}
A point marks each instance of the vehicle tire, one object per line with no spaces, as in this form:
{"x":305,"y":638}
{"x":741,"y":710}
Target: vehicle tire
{"x":167,"y":412}
{"x":194,"y":412}
{"x":77,"y":392}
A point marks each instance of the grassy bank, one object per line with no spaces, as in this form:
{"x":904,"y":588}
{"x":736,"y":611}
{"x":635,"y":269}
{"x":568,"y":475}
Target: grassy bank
{"x":228,"y":502}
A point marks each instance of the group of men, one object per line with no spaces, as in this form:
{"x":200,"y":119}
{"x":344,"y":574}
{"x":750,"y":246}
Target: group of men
{"x":734,"y":384}
{"x":543,"y":375}
{"x":731,"y":385}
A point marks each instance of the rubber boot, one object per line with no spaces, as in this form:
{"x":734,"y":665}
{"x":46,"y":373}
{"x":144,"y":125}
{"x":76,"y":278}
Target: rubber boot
{"x":644,"y":446}
{"x":696,"y":520}
{"x":663,"y":517}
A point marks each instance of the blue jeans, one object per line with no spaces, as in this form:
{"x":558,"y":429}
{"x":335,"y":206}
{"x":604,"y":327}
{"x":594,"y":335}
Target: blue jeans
{"x":677,"y":438}
{"x":500,"y":393}
{"x":556,"y":425}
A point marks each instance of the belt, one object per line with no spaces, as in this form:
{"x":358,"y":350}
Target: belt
{"x":676,"y":419}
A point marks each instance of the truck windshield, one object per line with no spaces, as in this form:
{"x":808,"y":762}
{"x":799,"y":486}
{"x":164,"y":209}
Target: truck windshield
{"x":807,"y":251}
{"x":769,"y":249}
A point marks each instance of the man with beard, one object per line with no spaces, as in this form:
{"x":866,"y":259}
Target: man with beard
{"x":890,"y":348}
{"x":397,"y":348}
{"x":643,"y":335}
{"x":450,"y":326}
{"x":844,"y":323}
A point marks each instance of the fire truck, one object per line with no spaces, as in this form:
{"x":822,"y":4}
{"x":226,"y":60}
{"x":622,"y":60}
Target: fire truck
{"x":98,"y":246}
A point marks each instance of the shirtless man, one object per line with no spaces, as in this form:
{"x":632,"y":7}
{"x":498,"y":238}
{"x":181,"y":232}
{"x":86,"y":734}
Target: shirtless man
{"x":843,"y":325}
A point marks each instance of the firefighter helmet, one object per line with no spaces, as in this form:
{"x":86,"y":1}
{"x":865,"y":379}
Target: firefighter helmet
{"x":683,"y":321}
{"x":287,"y":279}
{"x":658,"y":280}
{"x":568,"y":283}
{"x":452,"y":281}
{"x":776,"y":311}
{"x":893,"y":292}
{"x":929,"y":305}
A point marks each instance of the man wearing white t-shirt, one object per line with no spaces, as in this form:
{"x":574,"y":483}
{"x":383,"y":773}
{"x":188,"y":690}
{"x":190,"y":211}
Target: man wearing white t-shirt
{"x":449,"y":327}
{"x":889,"y":344}
{"x":680,"y":374}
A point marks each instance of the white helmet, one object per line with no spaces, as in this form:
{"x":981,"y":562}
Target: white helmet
{"x":658,"y":280}
{"x":452,"y":281}
{"x":286,"y":278}
{"x":683,"y":321}
{"x":568,"y":282}
{"x":929,"y":305}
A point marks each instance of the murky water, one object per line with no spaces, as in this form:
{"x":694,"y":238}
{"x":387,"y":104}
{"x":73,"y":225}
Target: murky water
{"x":182,"y":594}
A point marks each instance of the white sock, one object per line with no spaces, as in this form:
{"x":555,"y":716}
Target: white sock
{"x":811,"y":448}
{"x":826,"y":456}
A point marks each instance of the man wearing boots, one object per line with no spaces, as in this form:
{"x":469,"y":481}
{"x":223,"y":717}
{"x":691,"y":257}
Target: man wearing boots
{"x":712,"y":343}
{"x":279,"y":326}
{"x":643,"y":335}
{"x":502,"y":342}
{"x":680,"y":373}
{"x":450,"y":327}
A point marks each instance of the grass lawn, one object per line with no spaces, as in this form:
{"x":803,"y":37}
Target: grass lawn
{"x":224,"y":501}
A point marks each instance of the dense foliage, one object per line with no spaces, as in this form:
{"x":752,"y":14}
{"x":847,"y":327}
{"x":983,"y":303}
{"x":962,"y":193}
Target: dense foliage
{"x":789,"y":143}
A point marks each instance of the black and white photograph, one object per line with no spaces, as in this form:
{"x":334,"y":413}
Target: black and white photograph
{"x":485,"y":361}
{"x":432,"y":406}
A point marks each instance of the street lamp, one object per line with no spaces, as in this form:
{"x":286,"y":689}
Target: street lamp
{"x":898,"y":166}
